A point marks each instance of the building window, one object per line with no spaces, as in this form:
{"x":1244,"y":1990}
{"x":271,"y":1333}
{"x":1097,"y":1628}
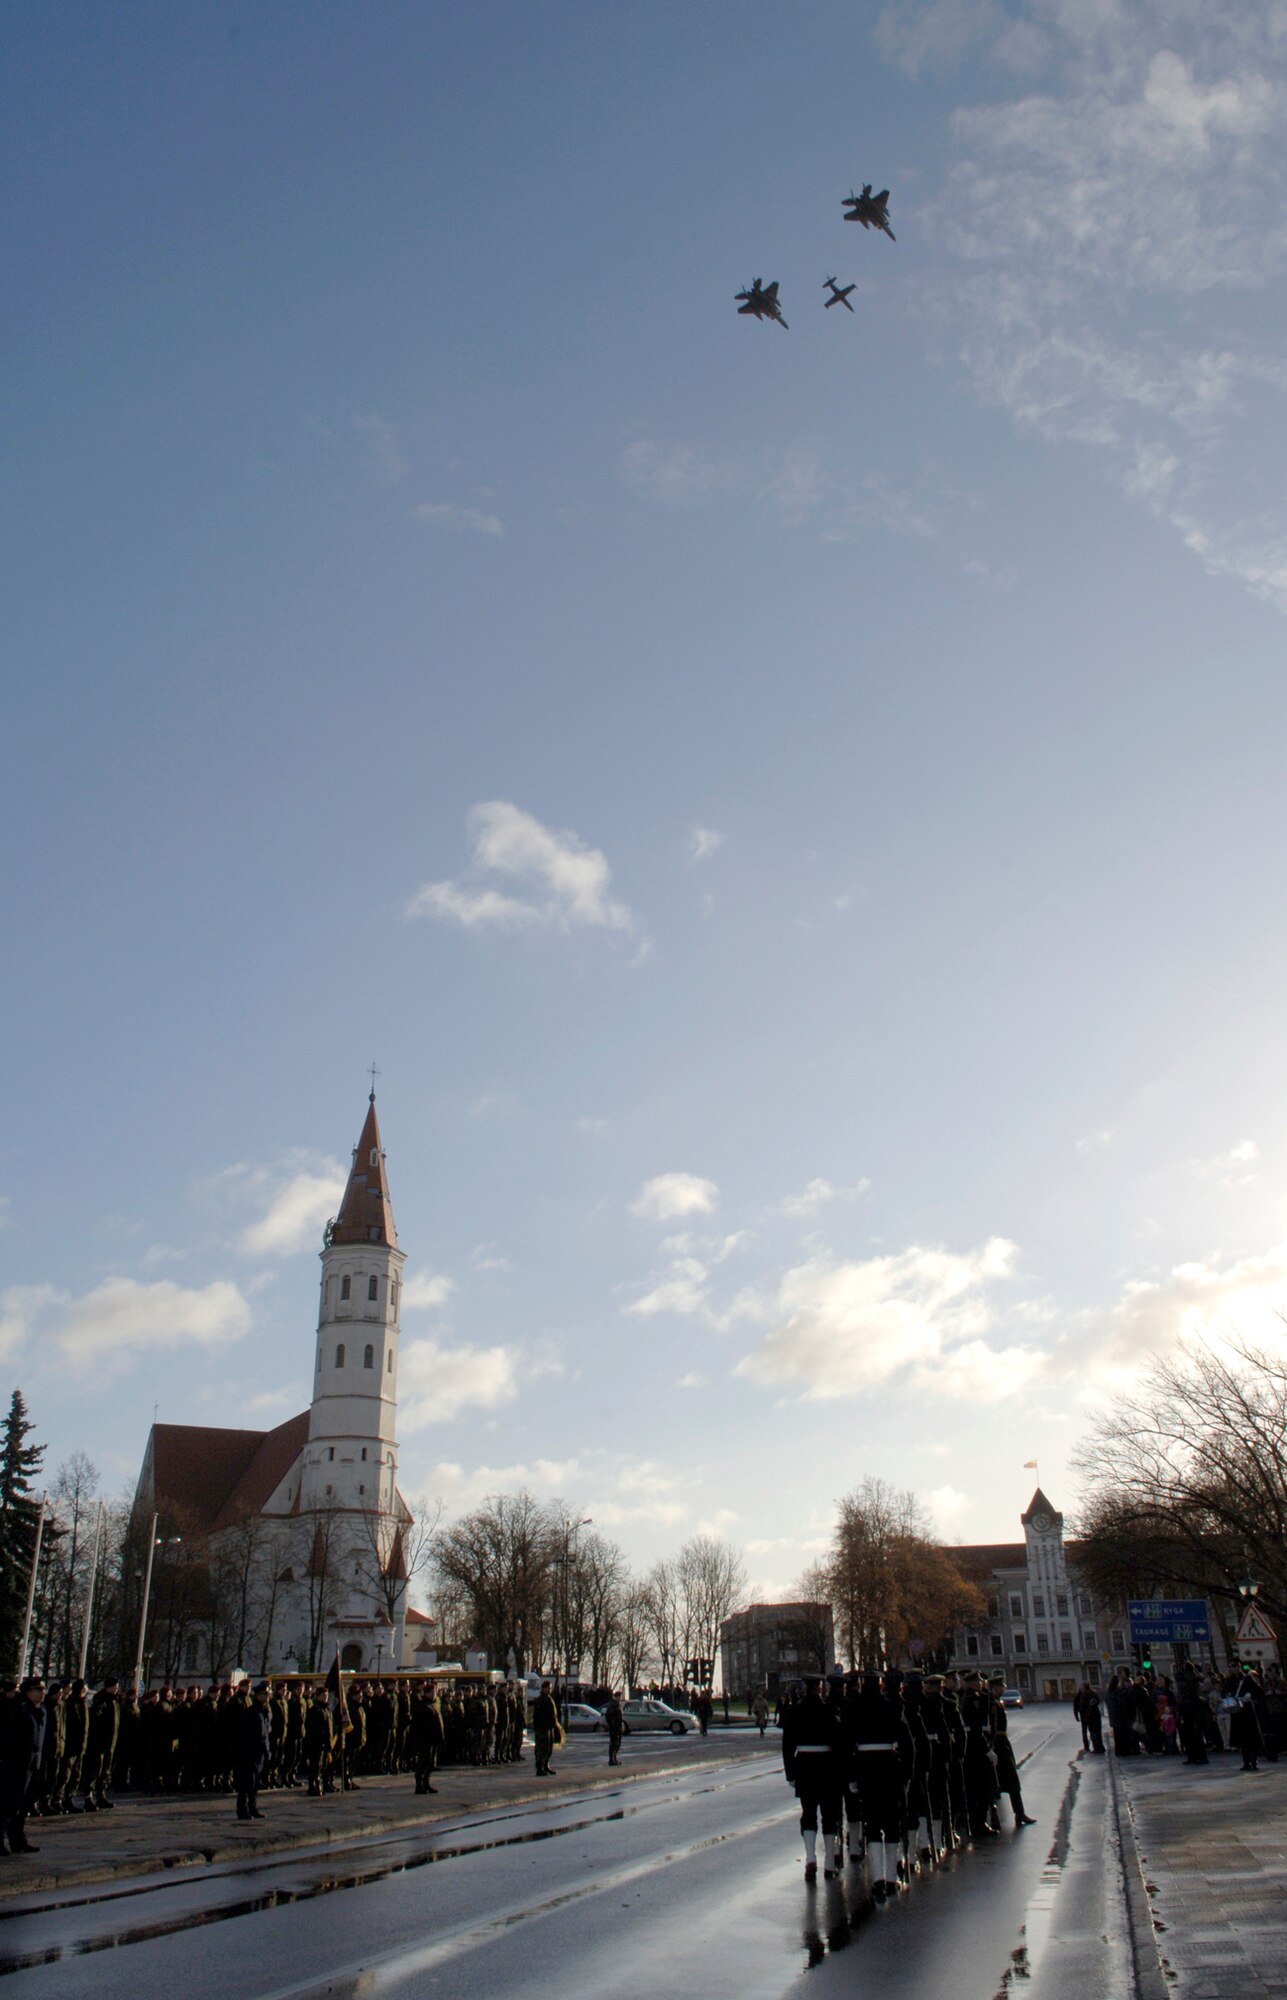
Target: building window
{"x":339,"y":1355}
{"x":368,"y":1356}
{"x":373,"y":1288}
{"x":1061,"y":1605}
{"x":1118,"y":1647}
{"x":361,"y":1489}
{"x":1016,"y":1607}
{"x":1025,"y":1679}
{"x":972,"y":1646}
{"x":1065,"y":1642}
{"x":328,"y":1492}
{"x":364,"y":1454}
{"x":1043,"y":1644}
{"x":1038,"y":1607}
{"x":1089,"y":1642}
{"x":994,"y":1607}
{"x":388,"y":1362}
{"x":1085,"y":1605}
{"x":330,"y":1457}
{"x":996,"y":1645}
{"x":373,"y":1233}
{"x":1020,"y":1642}
{"x":393,"y":1298}
{"x":346,"y":1287}
{"x":1092,"y":1673}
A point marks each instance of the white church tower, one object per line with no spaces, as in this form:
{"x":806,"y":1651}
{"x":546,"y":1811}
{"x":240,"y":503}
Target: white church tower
{"x":351,"y":1459}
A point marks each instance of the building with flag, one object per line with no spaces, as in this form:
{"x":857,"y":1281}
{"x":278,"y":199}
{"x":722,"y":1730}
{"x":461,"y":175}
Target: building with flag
{"x":296,"y":1537}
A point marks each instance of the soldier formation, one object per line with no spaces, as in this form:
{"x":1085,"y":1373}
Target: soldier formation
{"x":63,"y":1750}
{"x":904,"y":1769}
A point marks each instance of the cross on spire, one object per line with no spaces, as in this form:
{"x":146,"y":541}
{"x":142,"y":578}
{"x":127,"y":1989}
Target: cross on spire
{"x":374,"y":1073}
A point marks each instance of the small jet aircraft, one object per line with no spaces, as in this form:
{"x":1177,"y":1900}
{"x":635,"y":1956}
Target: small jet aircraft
{"x":872,"y":210}
{"x":839,"y":295}
{"x":762,"y":301}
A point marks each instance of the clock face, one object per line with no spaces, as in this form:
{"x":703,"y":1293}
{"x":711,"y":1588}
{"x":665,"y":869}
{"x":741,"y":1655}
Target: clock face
{"x":1041,"y":1522}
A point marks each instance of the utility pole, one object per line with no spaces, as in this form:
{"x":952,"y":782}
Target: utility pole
{"x":89,"y":1593}
{"x":31,"y":1588}
{"x":147,"y":1592}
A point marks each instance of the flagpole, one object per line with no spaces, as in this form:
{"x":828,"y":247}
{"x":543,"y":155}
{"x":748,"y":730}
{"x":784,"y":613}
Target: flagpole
{"x":341,"y":1718}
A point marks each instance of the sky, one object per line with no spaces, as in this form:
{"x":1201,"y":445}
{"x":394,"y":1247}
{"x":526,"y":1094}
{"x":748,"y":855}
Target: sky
{"x":795,"y":817}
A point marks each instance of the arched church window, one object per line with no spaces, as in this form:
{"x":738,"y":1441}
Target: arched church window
{"x":373,"y":1288}
{"x":364,"y":1454}
{"x":330,"y":1457}
{"x":339,"y":1355}
{"x":368,"y":1356}
{"x":346,"y":1287}
{"x":393,"y":1298}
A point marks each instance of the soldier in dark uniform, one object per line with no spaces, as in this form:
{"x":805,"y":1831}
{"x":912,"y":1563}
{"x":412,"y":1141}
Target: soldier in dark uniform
{"x":882,"y":1758}
{"x":21,"y":1746}
{"x":100,"y":1746}
{"x":1006,"y":1768}
{"x":319,"y":1743}
{"x":980,"y":1758}
{"x":75,"y":1732}
{"x":955,"y":1730}
{"x":545,"y":1726}
{"x":252,"y":1747}
{"x":614,"y":1722}
{"x":920,"y":1811}
{"x":425,"y":1738}
{"x":942,"y":1832}
{"x":814,"y":1762}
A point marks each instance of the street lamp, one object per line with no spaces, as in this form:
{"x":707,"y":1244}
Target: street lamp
{"x":154,"y":1542}
{"x":571,"y":1530}
{"x":31,"y":1587}
{"x":1248,"y":1589}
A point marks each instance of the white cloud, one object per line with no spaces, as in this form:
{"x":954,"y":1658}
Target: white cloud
{"x":297,"y":1211}
{"x":1201,"y":1300}
{"x":426,"y":1291}
{"x":436,"y":1382}
{"x":948,"y":1506}
{"x":691,"y":1381}
{"x":1102,"y":227}
{"x":703,"y":842}
{"x":20,"y":1307}
{"x":567,"y":883}
{"x":122,"y":1318}
{"x":677,"y":475}
{"x":444,"y":514}
{"x":1238,"y":1168}
{"x":1095,"y":1142}
{"x":683,"y":1290}
{"x":667,"y":1196}
{"x":843,"y":1329}
{"x":818,"y":1193}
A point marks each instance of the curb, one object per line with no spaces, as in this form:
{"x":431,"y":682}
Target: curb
{"x":218,"y":1852}
{"x":1149,"y":1978}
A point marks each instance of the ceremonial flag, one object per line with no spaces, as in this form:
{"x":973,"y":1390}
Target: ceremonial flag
{"x":1029,"y":1464}
{"x":335,"y":1693}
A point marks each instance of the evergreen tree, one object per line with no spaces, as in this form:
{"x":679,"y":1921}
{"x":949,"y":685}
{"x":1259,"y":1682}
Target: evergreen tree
{"x":19,"y":1462}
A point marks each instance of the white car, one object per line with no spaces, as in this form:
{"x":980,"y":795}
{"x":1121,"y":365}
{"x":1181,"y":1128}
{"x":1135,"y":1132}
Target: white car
{"x":649,"y":1714}
{"x":580,"y":1715}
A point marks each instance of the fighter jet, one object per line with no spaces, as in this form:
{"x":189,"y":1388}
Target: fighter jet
{"x":872,"y":210}
{"x":839,"y":295}
{"x":762,"y":301}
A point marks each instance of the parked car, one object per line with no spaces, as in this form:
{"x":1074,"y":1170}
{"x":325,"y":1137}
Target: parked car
{"x":649,"y":1714}
{"x":1011,"y":1698}
{"x":580,"y":1715}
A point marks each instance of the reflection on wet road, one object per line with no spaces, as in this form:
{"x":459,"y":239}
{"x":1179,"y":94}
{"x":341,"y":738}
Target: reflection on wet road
{"x":682,"y":1884}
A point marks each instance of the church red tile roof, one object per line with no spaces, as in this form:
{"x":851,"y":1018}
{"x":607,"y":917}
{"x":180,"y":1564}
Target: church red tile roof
{"x":278,"y":1450}
{"x":203,"y":1478}
{"x":366,"y":1213}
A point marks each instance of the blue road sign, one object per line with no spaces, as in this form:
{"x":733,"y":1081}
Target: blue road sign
{"x":1162,"y":1620}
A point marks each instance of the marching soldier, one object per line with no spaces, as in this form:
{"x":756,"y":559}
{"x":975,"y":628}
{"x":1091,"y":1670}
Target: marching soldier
{"x":883,"y":1756}
{"x":1007,"y":1769}
{"x":920,"y":1813}
{"x":955,"y":1729}
{"x":813,"y":1760}
{"x":942,"y":1833}
{"x":980,"y":1758}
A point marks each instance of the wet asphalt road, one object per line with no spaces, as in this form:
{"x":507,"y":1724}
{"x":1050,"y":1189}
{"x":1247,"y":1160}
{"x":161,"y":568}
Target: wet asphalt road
{"x":685,"y":1884}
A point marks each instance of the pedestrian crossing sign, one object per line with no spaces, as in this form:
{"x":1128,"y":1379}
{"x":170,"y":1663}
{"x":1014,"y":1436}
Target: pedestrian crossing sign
{"x":1254,"y":1629}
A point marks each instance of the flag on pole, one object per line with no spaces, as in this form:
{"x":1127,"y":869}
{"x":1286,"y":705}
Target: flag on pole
{"x":1029,"y":1464}
{"x":335,"y":1694}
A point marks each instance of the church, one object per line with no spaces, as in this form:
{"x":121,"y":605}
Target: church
{"x":299,"y":1532}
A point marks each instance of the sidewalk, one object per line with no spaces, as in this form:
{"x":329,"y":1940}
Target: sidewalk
{"x":144,"y":1834}
{"x":1211,"y":1843}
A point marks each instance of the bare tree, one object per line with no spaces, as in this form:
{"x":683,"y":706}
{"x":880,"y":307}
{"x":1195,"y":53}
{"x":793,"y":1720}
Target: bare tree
{"x":632,"y":1634}
{"x":712,"y":1578}
{"x":1188,"y":1480}
{"x":667,"y":1616}
{"x":890,"y":1584}
{"x":501,"y":1557}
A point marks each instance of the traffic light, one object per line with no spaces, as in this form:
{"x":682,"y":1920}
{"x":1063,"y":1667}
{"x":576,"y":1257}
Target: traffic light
{"x":1146,"y":1664}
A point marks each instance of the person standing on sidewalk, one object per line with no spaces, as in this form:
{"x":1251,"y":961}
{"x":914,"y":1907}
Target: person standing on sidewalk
{"x":1248,"y":1720}
{"x":21,"y":1749}
{"x":100,"y":1746}
{"x":614,"y":1722}
{"x":545,"y":1728}
{"x":252,"y":1748}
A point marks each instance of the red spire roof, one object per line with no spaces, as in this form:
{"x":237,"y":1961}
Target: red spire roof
{"x":366,"y":1213}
